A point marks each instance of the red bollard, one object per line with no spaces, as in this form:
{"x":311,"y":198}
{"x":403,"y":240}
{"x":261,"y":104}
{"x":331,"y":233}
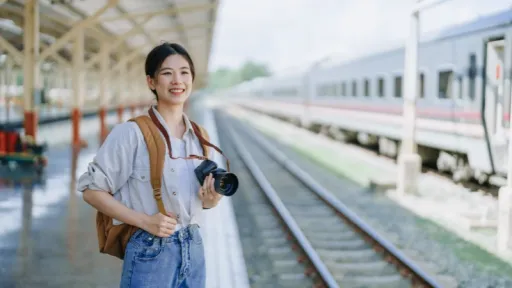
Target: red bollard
{"x":12,"y":137}
{"x":3,"y":142}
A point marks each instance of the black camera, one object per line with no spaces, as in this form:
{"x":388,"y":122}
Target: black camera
{"x":225,"y":183}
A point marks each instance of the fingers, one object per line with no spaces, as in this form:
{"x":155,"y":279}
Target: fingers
{"x":212,"y":185}
{"x":214,"y":195}
{"x":207,"y":192}
{"x":165,"y":232}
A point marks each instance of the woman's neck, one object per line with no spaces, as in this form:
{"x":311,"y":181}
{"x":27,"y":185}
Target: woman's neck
{"x":173,"y":117}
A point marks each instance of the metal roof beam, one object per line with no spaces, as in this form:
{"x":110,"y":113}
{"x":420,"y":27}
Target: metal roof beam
{"x":184,"y":28}
{"x":183,"y":10}
{"x":13,"y":51}
{"x":137,"y":25}
{"x":78,"y":26}
{"x":119,"y":40}
{"x":174,"y":17}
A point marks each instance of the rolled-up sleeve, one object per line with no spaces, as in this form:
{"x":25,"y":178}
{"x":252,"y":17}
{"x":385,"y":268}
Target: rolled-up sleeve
{"x":113,"y":163}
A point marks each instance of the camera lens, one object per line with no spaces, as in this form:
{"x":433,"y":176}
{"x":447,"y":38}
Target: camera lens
{"x":226,"y":183}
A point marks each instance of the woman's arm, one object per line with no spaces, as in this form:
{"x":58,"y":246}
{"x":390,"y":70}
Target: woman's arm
{"x":158,"y":224}
{"x":110,"y":170}
{"x":108,"y":205}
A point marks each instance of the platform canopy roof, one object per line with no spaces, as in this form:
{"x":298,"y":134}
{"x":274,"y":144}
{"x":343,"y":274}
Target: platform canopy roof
{"x":143,"y":23}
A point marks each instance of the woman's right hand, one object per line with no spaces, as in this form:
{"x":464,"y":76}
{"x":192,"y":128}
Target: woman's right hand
{"x":160,"y":225}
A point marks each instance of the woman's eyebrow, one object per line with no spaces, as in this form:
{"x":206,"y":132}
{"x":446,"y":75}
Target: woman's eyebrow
{"x":169,"y":68}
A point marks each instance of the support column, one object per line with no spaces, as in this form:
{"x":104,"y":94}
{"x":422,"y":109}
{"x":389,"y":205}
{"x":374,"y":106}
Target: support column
{"x":104,"y":88}
{"x":133,"y":87}
{"x":78,"y":87}
{"x":504,"y":233}
{"x":9,"y":77}
{"x":31,"y":71}
{"x":409,"y":162}
{"x":121,"y":81}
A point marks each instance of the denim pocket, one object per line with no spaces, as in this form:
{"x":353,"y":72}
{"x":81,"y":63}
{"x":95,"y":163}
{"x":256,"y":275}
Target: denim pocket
{"x":149,"y":247}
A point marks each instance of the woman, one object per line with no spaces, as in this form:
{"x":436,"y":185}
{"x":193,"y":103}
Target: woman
{"x":167,"y":250}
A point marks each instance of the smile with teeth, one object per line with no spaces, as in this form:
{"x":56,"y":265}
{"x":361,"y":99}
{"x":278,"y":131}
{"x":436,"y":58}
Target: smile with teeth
{"x":177,"y":90}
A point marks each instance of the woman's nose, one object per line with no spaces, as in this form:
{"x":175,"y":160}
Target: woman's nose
{"x":175,"y":78}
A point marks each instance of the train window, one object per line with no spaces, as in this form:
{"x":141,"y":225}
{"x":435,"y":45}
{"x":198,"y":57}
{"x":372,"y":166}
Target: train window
{"x":366,"y":87}
{"x":343,"y":89}
{"x":354,"y":88}
{"x":398,"y":86}
{"x":472,"y":75}
{"x":380,"y":89}
{"x":319,"y":90}
{"x":445,"y":84}
{"x":459,"y":81}
{"x":422,"y":85}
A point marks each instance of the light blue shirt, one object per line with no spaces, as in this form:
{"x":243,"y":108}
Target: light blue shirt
{"x":121,"y":167}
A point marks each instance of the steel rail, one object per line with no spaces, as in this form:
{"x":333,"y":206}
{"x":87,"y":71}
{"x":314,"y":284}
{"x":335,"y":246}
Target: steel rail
{"x":283,"y":212}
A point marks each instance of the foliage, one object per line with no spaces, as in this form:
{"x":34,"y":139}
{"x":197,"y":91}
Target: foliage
{"x":226,"y":77}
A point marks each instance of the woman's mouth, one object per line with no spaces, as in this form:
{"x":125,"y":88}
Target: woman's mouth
{"x":177,"y":91}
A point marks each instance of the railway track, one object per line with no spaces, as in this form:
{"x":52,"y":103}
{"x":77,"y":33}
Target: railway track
{"x":306,"y":229}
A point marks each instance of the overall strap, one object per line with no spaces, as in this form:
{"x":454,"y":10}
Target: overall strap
{"x":200,"y":133}
{"x":156,"y":150}
{"x":166,"y":137}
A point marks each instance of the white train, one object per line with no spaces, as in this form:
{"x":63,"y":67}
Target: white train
{"x":463,"y":106}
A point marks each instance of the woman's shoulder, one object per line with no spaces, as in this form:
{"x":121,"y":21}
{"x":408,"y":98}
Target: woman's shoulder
{"x":126,"y":132}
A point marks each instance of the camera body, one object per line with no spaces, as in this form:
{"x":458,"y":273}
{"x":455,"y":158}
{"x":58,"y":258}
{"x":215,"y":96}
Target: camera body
{"x":225,"y":183}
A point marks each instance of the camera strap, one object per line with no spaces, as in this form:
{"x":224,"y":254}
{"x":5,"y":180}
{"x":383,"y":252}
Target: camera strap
{"x":198,"y":133}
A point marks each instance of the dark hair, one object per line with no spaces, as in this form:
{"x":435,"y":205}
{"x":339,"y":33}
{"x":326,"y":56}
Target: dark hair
{"x":158,"y":55}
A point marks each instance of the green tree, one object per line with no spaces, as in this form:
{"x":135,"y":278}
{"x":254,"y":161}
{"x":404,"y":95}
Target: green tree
{"x":251,"y":70}
{"x":226,"y":77}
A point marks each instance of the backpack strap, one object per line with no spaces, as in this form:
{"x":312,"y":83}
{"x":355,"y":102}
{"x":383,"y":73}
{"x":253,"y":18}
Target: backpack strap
{"x":156,"y":149}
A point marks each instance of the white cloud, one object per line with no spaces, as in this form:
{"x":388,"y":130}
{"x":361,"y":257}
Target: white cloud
{"x":292,"y":33}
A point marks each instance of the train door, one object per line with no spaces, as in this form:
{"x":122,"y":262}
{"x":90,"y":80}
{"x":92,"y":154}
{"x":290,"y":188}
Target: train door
{"x":494,"y":100}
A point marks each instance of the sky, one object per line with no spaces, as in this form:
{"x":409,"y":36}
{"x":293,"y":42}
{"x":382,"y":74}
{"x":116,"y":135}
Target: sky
{"x":289,"y":34}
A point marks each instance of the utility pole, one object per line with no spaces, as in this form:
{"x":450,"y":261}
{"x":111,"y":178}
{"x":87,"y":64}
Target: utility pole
{"x":409,"y":162}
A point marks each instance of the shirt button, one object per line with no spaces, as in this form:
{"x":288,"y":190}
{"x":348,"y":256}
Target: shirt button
{"x":143,"y":177}
{"x":178,"y":216}
{"x":174,"y":193}
{"x":172,"y":169}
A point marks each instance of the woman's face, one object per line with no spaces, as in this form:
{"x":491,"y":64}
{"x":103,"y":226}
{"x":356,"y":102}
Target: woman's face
{"x":173,"y":81}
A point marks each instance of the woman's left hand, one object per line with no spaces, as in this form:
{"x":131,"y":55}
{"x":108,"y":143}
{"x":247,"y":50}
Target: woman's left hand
{"x":207,"y":193}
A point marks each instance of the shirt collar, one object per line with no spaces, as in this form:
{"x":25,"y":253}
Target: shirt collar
{"x":188,"y":124}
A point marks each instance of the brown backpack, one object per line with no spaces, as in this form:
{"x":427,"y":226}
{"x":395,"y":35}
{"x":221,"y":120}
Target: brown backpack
{"x":112,"y":239}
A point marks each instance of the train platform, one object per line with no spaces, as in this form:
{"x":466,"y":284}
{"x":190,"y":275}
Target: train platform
{"x":48,"y":236}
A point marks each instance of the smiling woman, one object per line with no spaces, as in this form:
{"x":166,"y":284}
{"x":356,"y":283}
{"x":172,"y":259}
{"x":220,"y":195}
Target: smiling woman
{"x":170,"y":73}
{"x":166,"y":247}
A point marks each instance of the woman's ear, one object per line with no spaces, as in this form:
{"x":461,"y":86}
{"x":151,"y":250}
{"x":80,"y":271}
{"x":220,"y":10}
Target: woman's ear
{"x":151,"y":82}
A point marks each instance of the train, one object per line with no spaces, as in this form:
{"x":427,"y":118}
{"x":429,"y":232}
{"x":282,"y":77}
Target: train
{"x":462,"y":102}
